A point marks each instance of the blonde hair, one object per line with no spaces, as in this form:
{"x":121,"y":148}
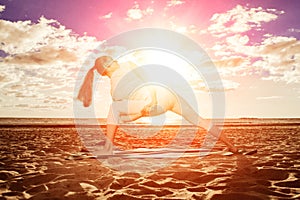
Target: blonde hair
{"x":86,"y":91}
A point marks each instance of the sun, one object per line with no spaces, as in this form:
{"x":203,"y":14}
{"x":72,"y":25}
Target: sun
{"x":184,"y":69}
{"x":144,"y":57}
{"x":163,"y":58}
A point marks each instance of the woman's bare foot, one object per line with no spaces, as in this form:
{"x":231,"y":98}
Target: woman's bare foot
{"x":108,"y":147}
{"x":103,"y":148}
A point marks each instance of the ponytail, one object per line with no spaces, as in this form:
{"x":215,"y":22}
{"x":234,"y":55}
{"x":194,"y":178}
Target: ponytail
{"x":86,"y":91}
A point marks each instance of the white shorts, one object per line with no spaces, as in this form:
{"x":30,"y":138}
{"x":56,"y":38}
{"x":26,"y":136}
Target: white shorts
{"x":129,"y":107}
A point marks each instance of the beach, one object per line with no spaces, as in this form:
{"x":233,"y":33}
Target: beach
{"x":49,"y":161}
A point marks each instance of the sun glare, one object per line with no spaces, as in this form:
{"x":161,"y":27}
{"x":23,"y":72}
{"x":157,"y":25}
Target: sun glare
{"x":163,"y":58}
{"x":166,"y":59}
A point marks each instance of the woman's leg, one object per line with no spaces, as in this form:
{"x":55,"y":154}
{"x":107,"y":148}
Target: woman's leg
{"x":113,"y":119}
{"x":123,"y":111}
{"x":193,"y":117}
{"x":111,"y":129}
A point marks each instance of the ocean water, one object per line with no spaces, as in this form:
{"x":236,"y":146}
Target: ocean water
{"x":85,"y":121}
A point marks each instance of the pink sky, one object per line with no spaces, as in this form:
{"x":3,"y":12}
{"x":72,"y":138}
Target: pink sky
{"x":255,"y":46}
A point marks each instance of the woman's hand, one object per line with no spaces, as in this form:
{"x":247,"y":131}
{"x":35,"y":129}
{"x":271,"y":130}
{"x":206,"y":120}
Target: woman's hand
{"x":149,"y":109}
{"x":152,"y":106}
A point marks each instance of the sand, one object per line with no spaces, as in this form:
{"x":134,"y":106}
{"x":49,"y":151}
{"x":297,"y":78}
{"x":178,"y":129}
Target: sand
{"x":37,"y":163}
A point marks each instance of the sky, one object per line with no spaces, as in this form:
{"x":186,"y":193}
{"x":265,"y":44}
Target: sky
{"x":45,"y":44}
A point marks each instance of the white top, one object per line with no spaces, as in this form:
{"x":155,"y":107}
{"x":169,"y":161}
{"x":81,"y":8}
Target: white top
{"x":125,"y":80}
{"x":127,"y":83}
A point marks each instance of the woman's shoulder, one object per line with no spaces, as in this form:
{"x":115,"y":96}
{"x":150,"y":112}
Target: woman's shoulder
{"x":124,"y":68}
{"x":128,"y":65}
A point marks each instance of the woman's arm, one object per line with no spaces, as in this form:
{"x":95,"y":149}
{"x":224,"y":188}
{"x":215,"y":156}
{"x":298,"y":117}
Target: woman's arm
{"x":152,"y":106}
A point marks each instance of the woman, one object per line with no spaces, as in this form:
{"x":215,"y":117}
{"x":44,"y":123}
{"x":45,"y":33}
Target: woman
{"x":136,"y":102}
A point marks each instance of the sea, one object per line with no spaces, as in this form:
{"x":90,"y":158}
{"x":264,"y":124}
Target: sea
{"x":71,"y":122}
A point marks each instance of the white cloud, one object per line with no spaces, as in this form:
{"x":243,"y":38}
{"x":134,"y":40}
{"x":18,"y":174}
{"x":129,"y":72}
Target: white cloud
{"x":239,"y":20}
{"x":44,"y":56}
{"x":148,"y":11}
{"x":233,"y":61}
{"x":2,"y":8}
{"x":268,"y":97}
{"x":237,"y":40}
{"x":184,"y":29}
{"x":44,"y":42}
{"x":107,"y":16}
{"x":24,"y":36}
{"x":172,"y":3}
{"x":280,"y":57}
{"x":217,"y":85}
{"x":295,"y":30}
{"x":135,"y":13}
{"x":230,"y":85}
{"x":276,"y":58}
{"x":42,"y":64}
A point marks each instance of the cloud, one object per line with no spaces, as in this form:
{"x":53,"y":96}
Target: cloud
{"x":269,"y":97}
{"x":22,"y":105}
{"x":234,"y":61}
{"x":285,"y":46}
{"x":2,"y":8}
{"x":173,"y":3}
{"x":41,"y":64}
{"x":237,"y":40}
{"x":240,"y":19}
{"x":214,"y":86}
{"x":294,"y":30}
{"x":135,"y":13}
{"x":183,"y":28}
{"x":43,"y":56}
{"x":24,"y":36}
{"x":230,"y":85}
{"x":107,"y":16}
{"x":275,"y":58}
{"x":279,"y":57}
